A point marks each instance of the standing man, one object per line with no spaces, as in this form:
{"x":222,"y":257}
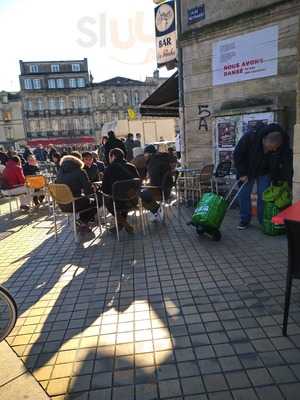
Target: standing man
{"x":130,"y":145}
{"x":138,"y":140}
{"x":41,"y":154}
{"x":113,"y":143}
{"x":263,"y":156}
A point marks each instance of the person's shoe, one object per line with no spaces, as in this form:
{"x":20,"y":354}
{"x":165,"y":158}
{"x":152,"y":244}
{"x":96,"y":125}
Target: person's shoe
{"x":129,"y":228}
{"x":160,"y":214}
{"x":23,"y":207}
{"x":243,"y":225}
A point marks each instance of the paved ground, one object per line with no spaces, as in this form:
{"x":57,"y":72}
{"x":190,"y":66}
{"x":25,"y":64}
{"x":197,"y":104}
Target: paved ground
{"x":165,"y":316}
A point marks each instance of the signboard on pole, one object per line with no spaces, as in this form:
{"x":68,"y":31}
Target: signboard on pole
{"x":246,"y":57}
{"x":165,"y":27}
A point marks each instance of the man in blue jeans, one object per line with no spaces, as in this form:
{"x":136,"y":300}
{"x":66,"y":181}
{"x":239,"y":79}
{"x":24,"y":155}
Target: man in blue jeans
{"x":262,"y":157}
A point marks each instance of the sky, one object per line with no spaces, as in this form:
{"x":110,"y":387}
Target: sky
{"x":117,"y":36}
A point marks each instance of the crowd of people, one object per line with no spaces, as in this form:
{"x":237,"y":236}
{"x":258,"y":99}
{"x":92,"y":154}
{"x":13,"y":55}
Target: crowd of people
{"x":95,"y":171}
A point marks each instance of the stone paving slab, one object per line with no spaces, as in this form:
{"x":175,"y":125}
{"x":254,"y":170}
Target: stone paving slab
{"x":15,"y":382}
{"x":165,"y":316}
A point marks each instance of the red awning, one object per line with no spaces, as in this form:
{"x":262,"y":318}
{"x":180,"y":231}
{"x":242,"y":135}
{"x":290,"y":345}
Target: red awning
{"x":61,"y":141}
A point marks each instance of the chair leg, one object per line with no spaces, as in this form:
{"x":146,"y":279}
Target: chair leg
{"x":10,"y":209}
{"x":288,"y":292}
{"x":74,"y":223}
{"x":142,"y":216}
{"x":54,"y":219}
{"x":116,"y":221}
{"x":98,"y":213}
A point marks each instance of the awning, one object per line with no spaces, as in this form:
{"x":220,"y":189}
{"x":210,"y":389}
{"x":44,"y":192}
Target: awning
{"x":164,"y":102}
{"x":61,"y":141}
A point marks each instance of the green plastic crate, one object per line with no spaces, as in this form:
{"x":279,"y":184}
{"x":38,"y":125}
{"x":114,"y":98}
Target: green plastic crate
{"x":270,"y":210}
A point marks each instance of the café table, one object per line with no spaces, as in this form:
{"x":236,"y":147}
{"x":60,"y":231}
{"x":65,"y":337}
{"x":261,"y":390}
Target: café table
{"x":291,"y":213}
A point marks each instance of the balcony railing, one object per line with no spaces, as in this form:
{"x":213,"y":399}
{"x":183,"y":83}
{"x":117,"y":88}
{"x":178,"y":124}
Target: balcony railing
{"x":63,"y":133}
{"x":57,"y":112}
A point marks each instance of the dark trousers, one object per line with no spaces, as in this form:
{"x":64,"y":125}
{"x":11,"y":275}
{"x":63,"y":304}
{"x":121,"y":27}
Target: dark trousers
{"x":85,"y":207}
{"x":122,"y":207}
{"x":150,"y":198}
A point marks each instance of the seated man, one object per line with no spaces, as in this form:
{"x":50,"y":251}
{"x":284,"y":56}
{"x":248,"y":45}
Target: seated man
{"x":90,"y":167}
{"x":14,"y":180}
{"x":159,"y":171}
{"x":30,"y":168}
{"x":100,"y":164}
{"x":72,"y":174}
{"x":119,"y":170}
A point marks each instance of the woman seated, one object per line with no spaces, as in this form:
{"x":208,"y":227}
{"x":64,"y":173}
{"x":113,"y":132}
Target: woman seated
{"x":14,"y":181}
{"x":30,"y":168}
{"x":72,"y":174}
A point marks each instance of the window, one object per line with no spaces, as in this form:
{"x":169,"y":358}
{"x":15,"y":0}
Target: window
{"x":60,"y":83}
{"x":55,"y":124}
{"x":114,"y":116}
{"x":103,"y":118}
{"x":136,"y":98}
{"x":74,"y":102}
{"x":34,"y":68}
{"x":72,"y":83}
{"x":40,"y":104}
{"x":28,"y":104}
{"x":36,"y":83}
{"x":86,"y":124}
{"x":114,"y":97}
{"x":52,"y":103}
{"x":80,"y":82}
{"x":28,"y":84}
{"x":76,"y":124}
{"x":102,"y":98}
{"x":75,"y":67}
{"x":55,"y":68}
{"x":83,"y":102}
{"x":61,"y":103}
{"x":51,"y":84}
{"x":125,"y":97}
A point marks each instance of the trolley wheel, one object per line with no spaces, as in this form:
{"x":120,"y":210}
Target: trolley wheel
{"x":200,"y":230}
{"x":216,"y":236}
{"x":8,"y":313}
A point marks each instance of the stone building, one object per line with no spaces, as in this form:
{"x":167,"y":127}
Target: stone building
{"x":11,"y":119}
{"x":112,"y":98}
{"x":57,"y":102}
{"x":240,"y":65}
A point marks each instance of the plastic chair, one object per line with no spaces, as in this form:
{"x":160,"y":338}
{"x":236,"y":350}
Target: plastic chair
{"x":124,"y":192}
{"x":62,"y":194}
{"x":293,"y":270}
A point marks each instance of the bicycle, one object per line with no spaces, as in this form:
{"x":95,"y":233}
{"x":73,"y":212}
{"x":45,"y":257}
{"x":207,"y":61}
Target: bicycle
{"x":8,"y":313}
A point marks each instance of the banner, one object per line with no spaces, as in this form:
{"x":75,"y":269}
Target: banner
{"x":165,"y":28}
{"x":250,"y":56}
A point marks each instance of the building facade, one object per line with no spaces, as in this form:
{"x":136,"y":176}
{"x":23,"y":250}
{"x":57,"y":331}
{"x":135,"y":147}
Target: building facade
{"x":57,"y":102}
{"x":112,"y":98}
{"x":11,"y":119}
{"x":240,"y":65}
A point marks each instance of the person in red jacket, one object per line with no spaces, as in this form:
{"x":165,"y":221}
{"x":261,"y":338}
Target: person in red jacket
{"x":14,"y":179}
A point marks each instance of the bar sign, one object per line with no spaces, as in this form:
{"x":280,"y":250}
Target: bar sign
{"x":196,"y":14}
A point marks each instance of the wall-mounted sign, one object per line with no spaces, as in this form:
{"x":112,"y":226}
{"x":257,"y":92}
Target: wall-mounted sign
{"x":196,"y":14}
{"x":250,"y":56}
{"x":165,"y":26}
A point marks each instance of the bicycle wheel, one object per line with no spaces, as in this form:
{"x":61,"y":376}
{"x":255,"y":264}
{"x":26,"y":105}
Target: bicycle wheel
{"x":8,"y":313}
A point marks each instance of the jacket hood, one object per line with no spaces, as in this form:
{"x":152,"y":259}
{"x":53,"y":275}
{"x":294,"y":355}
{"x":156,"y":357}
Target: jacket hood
{"x":70,"y":163}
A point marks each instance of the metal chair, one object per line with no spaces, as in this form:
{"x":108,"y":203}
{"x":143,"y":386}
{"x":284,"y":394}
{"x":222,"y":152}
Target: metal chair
{"x":62,"y":194}
{"x":37,"y":185}
{"x":124,"y":192}
{"x":223,"y":170}
{"x":293,"y":270}
{"x":170,"y":177}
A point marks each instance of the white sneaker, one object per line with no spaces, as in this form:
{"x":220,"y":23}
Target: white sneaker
{"x":160,"y":215}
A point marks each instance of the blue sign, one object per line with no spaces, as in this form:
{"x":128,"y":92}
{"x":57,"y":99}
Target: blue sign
{"x":196,"y":14}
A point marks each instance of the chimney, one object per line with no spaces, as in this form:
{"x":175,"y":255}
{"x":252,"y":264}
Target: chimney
{"x":156,"y":74}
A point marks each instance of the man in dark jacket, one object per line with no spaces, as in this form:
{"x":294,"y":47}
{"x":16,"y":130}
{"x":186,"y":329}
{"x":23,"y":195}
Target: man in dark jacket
{"x":90,"y":167}
{"x":41,"y":154}
{"x":72,"y":174}
{"x":30,"y":168}
{"x":119,"y":170}
{"x":113,"y":143}
{"x":130,"y":145}
{"x":159,"y":171}
{"x":263,"y":156}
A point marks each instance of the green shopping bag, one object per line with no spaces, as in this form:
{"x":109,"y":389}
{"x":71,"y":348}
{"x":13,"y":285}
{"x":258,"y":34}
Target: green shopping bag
{"x":210,"y":211}
{"x":280,"y":195}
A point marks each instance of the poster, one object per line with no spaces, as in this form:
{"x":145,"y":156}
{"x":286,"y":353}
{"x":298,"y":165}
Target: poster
{"x":230,"y":129}
{"x":250,"y":56}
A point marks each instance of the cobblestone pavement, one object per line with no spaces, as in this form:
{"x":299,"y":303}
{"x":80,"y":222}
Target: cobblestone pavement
{"x":165,"y":316}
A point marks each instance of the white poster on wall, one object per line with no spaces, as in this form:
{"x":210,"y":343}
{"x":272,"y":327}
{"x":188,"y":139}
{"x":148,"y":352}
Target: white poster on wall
{"x":250,"y":56}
